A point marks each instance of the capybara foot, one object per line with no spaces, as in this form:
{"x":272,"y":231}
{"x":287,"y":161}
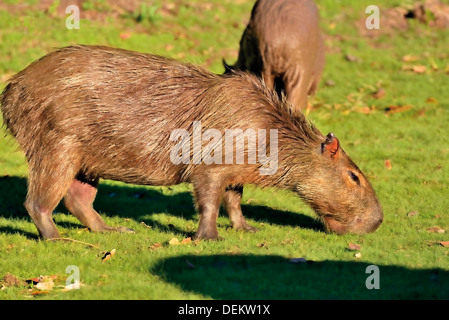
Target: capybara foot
{"x":50,"y":234}
{"x":245,"y":227}
{"x":207,"y":234}
{"x":124,"y":230}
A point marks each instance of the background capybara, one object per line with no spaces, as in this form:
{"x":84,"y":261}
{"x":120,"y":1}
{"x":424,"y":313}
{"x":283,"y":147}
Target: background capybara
{"x":87,"y":112}
{"x":283,"y":44}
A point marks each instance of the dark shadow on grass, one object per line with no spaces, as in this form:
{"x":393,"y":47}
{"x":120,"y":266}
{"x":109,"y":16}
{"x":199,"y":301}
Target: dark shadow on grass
{"x":274,"y":277}
{"x":10,"y":230}
{"x":129,"y":201}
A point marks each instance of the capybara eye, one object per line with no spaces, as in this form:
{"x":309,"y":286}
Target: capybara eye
{"x":354,"y":177}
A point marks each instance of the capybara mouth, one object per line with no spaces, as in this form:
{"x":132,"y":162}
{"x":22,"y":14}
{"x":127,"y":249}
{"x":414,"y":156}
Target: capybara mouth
{"x":334,"y":226}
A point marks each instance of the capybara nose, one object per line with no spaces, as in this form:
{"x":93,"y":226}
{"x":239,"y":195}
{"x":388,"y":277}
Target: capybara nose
{"x":379,"y":222}
{"x":376,"y":224}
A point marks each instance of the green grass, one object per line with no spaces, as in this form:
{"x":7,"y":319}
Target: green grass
{"x":412,"y":263}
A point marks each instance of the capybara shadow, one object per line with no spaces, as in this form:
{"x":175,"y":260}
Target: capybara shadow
{"x":13,"y":191}
{"x":134,"y":202}
{"x":272,"y":277}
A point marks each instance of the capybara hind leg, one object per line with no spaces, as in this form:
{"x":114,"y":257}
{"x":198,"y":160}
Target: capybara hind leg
{"x":42,"y":218}
{"x":45,"y":189}
{"x":79,"y":201}
{"x":232,"y":198}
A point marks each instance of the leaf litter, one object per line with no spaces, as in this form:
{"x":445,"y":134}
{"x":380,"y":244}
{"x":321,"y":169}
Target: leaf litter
{"x":42,"y":285}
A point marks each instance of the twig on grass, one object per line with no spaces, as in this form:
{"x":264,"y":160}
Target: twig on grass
{"x":73,"y":240}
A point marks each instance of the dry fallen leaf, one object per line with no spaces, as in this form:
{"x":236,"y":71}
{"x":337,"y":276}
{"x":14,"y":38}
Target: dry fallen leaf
{"x":435,"y":229}
{"x":358,"y":255}
{"x":412,"y":213}
{"x":155,"y":246}
{"x":431,"y":100}
{"x":45,"y":283}
{"x":125,"y":35}
{"x":330,"y":83}
{"x":379,"y":94}
{"x":410,"y":58}
{"x":415,"y":69}
{"x":364,"y":110}
{"x":354,"y":246}
{"x":33,"y":280}
{"x":351,"y":58}
{"x":174,"y":241}
{"x":419,"y":69}
{"x":108,"y":255}
{"x":263,"y":244}
{"x":186,"y":240}
{"x":396,"y":109}
{"x":445,"y":244}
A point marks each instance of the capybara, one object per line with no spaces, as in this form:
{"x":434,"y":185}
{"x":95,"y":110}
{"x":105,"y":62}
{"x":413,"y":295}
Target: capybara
{"x":283,"y":44}
{"x":82,"y":113}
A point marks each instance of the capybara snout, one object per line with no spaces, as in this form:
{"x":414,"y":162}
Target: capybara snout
{"x":346,"y":202}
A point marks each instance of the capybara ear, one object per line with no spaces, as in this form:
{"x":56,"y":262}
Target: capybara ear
{"x":228,"y":68}
{"x":331,"y":146}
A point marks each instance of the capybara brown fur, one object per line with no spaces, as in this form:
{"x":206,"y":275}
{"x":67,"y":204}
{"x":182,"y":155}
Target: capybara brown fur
{"x":82,"y":113}
{"x":283,"y":44}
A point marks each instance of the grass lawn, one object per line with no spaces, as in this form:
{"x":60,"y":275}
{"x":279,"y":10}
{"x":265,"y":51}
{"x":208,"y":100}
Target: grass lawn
{"x":397,"y":137}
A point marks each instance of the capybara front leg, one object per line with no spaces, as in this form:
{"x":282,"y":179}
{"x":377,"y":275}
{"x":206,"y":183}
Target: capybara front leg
{"x":232,"y":198}
{"x":207,"y":197}
{"x":297,"y":87}
{"x":79,"y":201}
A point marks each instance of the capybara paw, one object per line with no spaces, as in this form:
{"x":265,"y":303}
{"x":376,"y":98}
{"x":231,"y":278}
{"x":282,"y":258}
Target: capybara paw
{"x":50,"y":236}
{"x":124,"y":230}
{"x":50,"y":233}
{"x":246,"y":227}
{"x":207,"y":235}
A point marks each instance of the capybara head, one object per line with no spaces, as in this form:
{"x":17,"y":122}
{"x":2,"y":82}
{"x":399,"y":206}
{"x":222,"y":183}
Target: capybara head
{"x":339,"y":192}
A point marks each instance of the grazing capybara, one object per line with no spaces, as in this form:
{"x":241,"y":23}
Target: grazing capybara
{"x":283,"y":44}
{"x":83,"y":113}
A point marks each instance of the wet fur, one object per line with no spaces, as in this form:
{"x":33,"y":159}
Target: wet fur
{"x":83,"y":113}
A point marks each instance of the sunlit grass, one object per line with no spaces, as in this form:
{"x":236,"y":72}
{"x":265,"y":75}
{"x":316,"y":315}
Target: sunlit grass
{"x":412,"y":261}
